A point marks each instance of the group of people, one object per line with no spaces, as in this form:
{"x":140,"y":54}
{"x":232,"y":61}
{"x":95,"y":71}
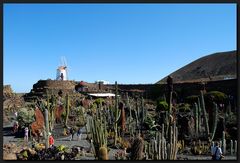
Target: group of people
{"x":79,"y":133}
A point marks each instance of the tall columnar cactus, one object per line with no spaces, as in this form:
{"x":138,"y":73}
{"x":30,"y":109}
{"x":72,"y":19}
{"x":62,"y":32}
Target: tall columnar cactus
{"x":137,"y":114}
{"x":160,"y":149}
{"x":223,"y":143}
{"x":199,"y":117}
{"x":143,"y":113}
{"x":173,"y":144}
{"x":196,"y":119}
{"x":130,"y":119}
{"x":67,"y":106}
{"x":46,"y":128}
{"x":51,"y":106}
{"x":123,"y":119}
{"x":137,"y":149}
{"x":231,"y":147}
{"x":215,"y":121}
{"x":117,"y":114}
{"x":235,"y":147}
{"x":99,"y":135}
{"x":205,"y":114}
{"x":170,"y":92}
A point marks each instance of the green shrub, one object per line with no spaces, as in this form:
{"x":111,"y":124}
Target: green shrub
{"x":183,"y":107}
{"x":99,"y":101}
{"x":149,"y":122}
{"x":162,"y":106}
{"x":191,"y":99}
{"x":217,"y":96}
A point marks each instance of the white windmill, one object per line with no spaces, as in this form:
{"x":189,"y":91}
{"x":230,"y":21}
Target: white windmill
{"x":62,"y":70}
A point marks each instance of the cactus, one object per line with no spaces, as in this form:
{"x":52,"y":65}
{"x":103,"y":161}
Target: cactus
{"x":196,"y":119}
{"x":145,"y":151}
{"x":215,"y":113}
{"x":173,"y":145}
{"x":223,"y":143}
{"x":137,"y":114}
{"x":199,"y":117}
{"x":103,"y":154}
{"x":169,"y":112}
{"x":46,"y":129}
{"x":143,"y":113}
{"x":67,"y":106}
{"x":160,"y":149}
{"x":137,"y":149}
{"x":235,"y":147}
{"x":117,"y":114}
{"x":51,"y":105}
{"x":130,"y":122}
{"x":123,"y":119}
{"x":205,"y":114}
{"x":231,"y":147}
{"x":99,"y":136}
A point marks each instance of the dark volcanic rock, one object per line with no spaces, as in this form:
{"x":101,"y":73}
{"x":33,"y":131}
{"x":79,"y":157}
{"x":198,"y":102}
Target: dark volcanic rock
{"x":217,"y":66}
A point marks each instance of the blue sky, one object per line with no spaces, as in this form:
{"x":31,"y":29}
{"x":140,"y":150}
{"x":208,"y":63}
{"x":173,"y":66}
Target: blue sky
{"x":128,"y":43}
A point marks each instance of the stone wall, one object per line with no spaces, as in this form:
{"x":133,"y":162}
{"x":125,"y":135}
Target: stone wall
{"x":153,"y":91}
{"x":149,"y":91}
{"x":51,"y":86}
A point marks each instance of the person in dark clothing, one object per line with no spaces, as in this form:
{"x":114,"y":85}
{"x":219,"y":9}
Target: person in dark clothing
{"x":79,"y":133}
{"x":72,"y":133}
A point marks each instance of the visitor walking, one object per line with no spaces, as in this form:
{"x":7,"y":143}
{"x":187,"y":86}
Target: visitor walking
{"x":51,"y":140}
{"x":26,"y":134}
{"x":15,"y":127}
{"x":16,"y":114}
{"x":72,"y":133}
{"x":79,"y":133}
{"x":216,"y":152}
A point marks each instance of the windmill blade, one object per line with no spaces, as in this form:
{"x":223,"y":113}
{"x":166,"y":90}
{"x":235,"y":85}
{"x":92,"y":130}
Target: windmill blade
{"x":64,"y":61}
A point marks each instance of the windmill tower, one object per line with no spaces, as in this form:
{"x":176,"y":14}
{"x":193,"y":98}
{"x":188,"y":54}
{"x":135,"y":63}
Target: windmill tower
{"x":62,"y":71}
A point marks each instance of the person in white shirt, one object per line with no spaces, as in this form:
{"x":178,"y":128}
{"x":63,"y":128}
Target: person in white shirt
{"x":216,"y":152}
{"x":26,"y":134}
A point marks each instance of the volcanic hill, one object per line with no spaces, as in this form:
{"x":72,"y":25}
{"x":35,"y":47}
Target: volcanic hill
{"x":217,"y":66}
